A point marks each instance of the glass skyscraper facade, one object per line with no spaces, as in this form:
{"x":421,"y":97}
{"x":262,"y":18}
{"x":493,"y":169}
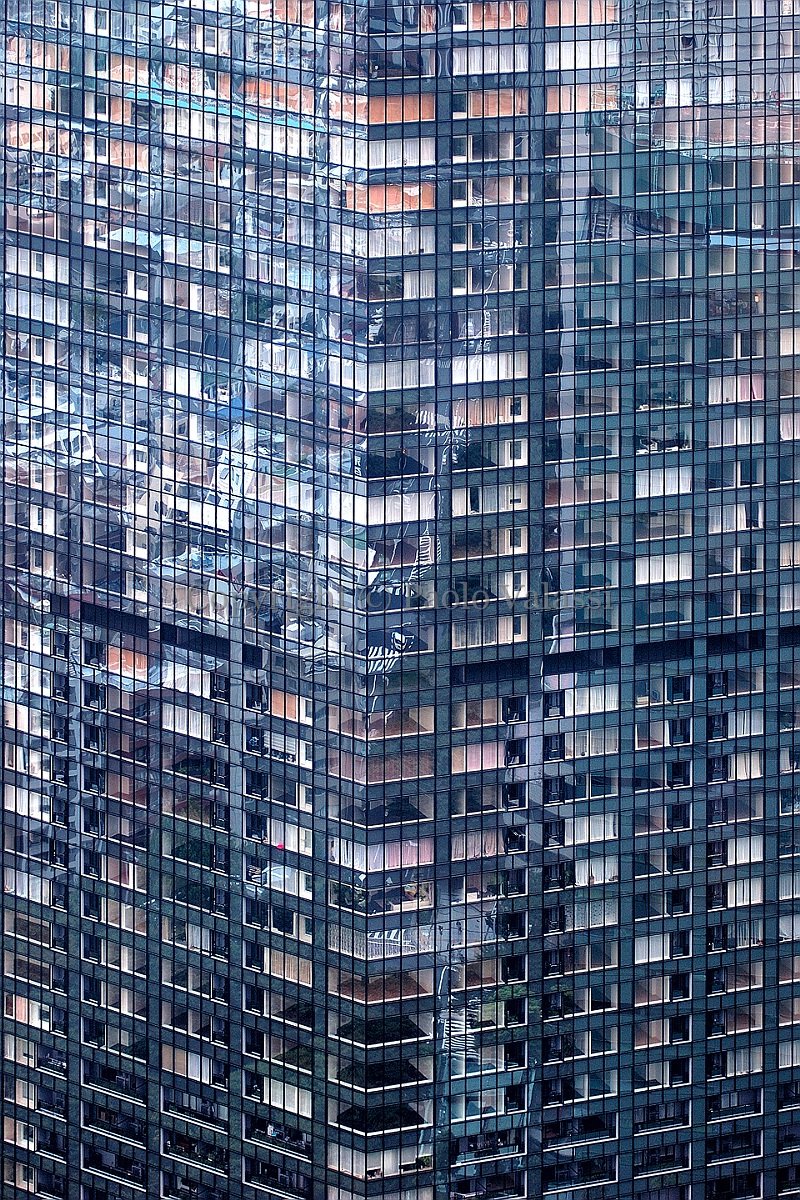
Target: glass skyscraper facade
{"x":400,"y":624}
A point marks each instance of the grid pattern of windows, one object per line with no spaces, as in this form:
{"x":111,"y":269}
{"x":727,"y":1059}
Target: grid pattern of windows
{"x":268,"y":284}
{"x":398,"y":598}
{"x":669,"y":641}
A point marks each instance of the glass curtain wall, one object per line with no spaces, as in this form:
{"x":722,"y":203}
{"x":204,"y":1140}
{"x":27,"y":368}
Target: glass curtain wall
{"x":399,"y":619}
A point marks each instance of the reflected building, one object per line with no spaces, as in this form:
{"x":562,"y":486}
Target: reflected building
{"x":399,"y":414}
